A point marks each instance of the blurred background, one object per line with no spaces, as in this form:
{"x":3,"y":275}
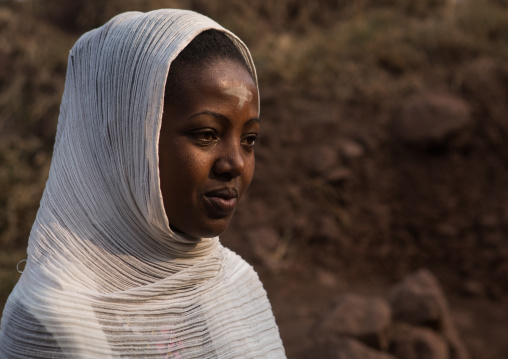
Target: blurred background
{"x":384,"y":150}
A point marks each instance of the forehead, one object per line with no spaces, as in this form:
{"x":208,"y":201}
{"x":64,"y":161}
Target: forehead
{"x":221,"y":86}
{"x":218,"y":77}
{"x":223,"y":72}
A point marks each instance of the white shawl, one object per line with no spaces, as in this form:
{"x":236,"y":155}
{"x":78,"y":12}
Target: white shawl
{"x":105,"y":275}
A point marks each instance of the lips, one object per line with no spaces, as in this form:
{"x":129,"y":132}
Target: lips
{"x":222,"y":201}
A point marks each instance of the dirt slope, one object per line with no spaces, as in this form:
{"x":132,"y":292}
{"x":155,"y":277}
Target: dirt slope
{"x":383,"y":148}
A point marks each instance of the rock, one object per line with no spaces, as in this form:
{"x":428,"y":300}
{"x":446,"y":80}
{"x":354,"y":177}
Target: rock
{"x":489,"y":220}
{"x":327,"y":228}
{"x":351,"y":149}
{"x":448,"y":230}
{"x":474,"y":288}
{"x":319,"y":160}
{"x":266,"y":245}
{"x":410,"y":342}
{"x":455,"y":344}
{"x":483,"y":81}
{"x":338,"y":175}
{"x":431,"y":120}
{"x":419,"y":300}
{"x":366,"y":319}
{"x":326,"y":278}
{"x":344,"y":348}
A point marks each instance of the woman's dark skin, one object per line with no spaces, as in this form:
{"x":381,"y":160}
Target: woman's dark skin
{"x":206,"y":147}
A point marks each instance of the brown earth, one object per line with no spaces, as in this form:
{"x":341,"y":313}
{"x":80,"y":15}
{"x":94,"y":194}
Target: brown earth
{"x":379,"y":210}
{"x":383,"y":149}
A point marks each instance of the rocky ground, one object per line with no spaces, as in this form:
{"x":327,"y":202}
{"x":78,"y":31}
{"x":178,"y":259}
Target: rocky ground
{"x":378,"y":216}
{"x":341,"y":206}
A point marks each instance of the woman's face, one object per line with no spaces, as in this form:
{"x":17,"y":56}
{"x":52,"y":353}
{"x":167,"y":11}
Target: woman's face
{"x":206,"y":147}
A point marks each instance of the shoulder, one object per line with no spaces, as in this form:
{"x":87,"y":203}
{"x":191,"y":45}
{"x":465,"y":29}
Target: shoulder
{"x":236,"y":269}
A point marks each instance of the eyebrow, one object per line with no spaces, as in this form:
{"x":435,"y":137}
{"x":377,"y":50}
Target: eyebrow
{"x":223,"y":118}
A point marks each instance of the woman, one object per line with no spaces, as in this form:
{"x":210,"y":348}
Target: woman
{"x":154,"y":149}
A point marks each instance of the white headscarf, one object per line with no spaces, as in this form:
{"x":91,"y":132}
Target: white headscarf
{"x":105,"y":276}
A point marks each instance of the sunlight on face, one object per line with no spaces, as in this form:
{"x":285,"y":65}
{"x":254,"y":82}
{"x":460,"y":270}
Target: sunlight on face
{"x":206,"y":147}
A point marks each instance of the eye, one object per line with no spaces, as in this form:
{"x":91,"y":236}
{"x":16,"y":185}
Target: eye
{"x":205,"y":136}
{"x":249,"y":140}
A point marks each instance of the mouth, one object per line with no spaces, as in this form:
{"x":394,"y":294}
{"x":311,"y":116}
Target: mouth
{"x":223,"y":201}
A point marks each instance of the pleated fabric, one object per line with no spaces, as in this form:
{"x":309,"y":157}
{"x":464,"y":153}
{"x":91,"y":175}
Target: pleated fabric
{"x":106,"y":277}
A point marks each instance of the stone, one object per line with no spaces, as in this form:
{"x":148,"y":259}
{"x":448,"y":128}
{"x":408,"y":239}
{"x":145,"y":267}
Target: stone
{"x":448,"y":230}
{"x":410,"y":342}
{"x":327,"y":228}
{"x":326,"y":278}
{"x":456,"y":346}
{"x":474,"y":288}
{"x":431,"y":120}
{"x":338,"y":175}
{"x":345,"y":348}
{"x":265,"y":243}
{"x":366,"y":319}
{"x":489,"y":220}
{"x":483,"y":80}
{"x":419,"y":300}
{"x":351,"y":150}
{"x":320,"y":159}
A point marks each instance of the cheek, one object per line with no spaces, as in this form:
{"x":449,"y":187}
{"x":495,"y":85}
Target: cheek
{"x":249,"y":171}
{"x":192,"y":169}
{"x":177,"y":170}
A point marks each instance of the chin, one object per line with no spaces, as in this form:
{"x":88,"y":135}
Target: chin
{"x":211,"y":233}
{"x":208,"y":230}
{"x":214,"y":227}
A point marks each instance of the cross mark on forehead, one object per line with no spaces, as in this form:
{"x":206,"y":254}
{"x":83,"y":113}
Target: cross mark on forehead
{"x":241,"y":92}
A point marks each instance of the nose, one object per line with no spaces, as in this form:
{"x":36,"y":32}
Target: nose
{"x":230,"y":162}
